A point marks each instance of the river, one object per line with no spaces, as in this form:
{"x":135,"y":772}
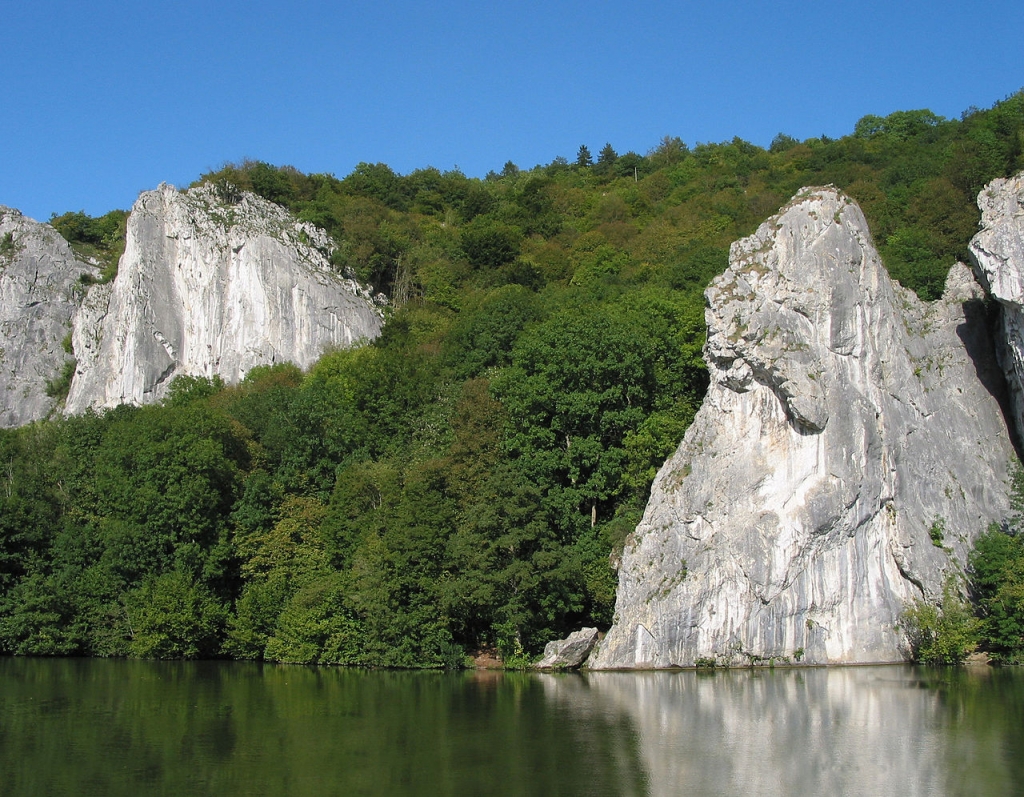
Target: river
{"x":110,"y":727}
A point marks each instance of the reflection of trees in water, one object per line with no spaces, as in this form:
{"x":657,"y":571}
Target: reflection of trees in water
{"x":983,"y":724}
{"x":862,"y":730}
{"x":93,"y":727}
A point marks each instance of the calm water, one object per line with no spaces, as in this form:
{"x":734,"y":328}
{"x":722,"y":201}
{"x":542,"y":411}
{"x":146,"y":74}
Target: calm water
{"x":96,"y":727}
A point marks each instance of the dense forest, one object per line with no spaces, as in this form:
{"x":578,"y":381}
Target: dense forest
{"x":467,"y":479}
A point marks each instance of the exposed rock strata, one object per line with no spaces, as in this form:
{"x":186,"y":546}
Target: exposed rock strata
{"x":40,"y":290}
{"x":998,"y":254}
{"x":211,"y":288}
{"x":848,"y":451}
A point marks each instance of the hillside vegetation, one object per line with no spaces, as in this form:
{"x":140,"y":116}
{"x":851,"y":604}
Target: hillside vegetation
{"x":466,"y":479}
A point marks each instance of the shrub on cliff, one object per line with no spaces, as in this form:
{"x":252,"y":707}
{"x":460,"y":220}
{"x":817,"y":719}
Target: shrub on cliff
{"x":941,"y":634}
{"x":997,"y":581}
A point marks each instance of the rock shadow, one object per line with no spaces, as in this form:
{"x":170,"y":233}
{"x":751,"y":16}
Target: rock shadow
{"x":979,"y":335}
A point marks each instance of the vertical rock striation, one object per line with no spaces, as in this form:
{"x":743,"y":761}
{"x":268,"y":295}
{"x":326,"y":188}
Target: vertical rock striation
{"x":850,"y":447}
{"x":208,"y":287}
{"x":39,"y":294}
{"x":998,"y":254}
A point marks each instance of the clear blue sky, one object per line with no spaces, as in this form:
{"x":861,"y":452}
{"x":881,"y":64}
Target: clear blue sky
{"x":101,"y":100}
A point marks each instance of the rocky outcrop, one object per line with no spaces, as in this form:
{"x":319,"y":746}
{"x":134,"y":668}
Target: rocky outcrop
{"x":998,"y":254}
{"x":211,"y":286}
{"x":568,"y":653}
{"x":850,"y":447}
{"x":40,"y":289}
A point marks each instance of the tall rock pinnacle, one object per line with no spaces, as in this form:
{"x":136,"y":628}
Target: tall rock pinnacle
{"x":850,"y":448}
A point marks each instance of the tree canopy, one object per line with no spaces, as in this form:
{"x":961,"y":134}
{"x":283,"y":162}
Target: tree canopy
{"x":466,"y":479}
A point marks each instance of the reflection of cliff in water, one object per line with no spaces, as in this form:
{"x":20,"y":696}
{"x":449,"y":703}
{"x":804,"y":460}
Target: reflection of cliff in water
{"x":850,"y":731}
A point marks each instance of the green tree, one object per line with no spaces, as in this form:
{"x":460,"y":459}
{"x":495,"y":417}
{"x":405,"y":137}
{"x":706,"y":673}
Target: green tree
{"x":29,"y":500}
{"x":632,"y":165}
{"x":579,"y":382}
{"x":277,"y":561}
{"x":38,"y":617}
{"x":670,"y":150}
{"x":378,"y":181}
{"x":997,"y":582}
{"x":489,"y":243}
{"x":318,"y":626}
{"x":172,"y":616}
{"x":512,"y":583}
{"x":606,"y":159}
{"x":782,"y":142}
{"x":101,"y":238}
{"x":484,"y":337}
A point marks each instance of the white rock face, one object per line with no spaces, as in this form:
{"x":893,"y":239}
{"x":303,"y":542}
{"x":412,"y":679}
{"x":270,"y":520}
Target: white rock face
{"x":209,"y":288}
{"x":845,"y":419}
{"x":39,"y":294}
{"x":998,"y":254}
{"x":569,"y":653}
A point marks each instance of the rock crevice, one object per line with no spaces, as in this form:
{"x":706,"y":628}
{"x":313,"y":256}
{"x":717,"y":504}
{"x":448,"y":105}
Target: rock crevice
{"x":998,"y":254}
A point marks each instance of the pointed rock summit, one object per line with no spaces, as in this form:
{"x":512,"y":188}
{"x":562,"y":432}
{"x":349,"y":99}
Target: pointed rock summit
{"x":211,"y":285}
{"x":850,"y":447}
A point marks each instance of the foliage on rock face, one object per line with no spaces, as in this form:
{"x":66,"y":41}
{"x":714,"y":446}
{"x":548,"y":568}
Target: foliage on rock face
{"x":463,"y":480}
{"x":996,"y":569}
{"x":997,"y":580}
{"x":101,"y":239}
{"x":993,"y":620}
{"x":943,"y":633}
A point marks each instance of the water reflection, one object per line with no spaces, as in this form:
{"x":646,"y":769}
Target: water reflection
{"x":849,"y":731}
{"x":95,"y":727}
{"x":118,"y":727}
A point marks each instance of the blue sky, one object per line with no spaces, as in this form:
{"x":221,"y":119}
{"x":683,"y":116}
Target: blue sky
{"x":101,"y":100}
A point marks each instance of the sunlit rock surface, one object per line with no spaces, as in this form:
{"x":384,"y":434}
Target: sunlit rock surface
{"x":850,"y":448}
{"x":211,"y":286}
{"x":568,"y":653}
{"x":40,"y":290}
{"x":998,"y":253}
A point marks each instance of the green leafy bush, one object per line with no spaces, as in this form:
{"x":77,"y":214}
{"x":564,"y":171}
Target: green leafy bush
{"x":941,"y":634}
{"x":59,"y":387}
{"x":100,"y":238}
{"x":997,"y":581}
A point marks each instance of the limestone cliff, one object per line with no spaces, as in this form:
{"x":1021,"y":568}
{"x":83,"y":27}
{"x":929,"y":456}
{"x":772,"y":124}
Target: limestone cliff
{"x":998,"y":254}
{"x":40,"y":289}
{"x":850,"y":447}
{"x":211,"y":286}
